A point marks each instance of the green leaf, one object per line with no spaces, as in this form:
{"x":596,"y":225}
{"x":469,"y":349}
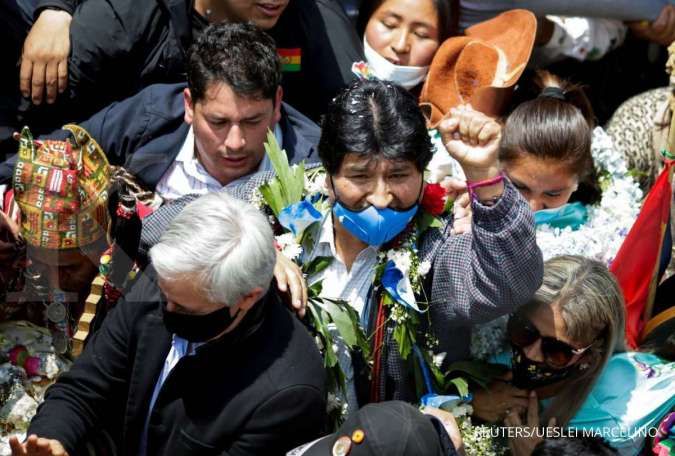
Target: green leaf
{"x":426,"y":221}
{"x":318,"y":323}
{"x":343,"y":322}
{"x":288,"y":185}
{"x":317,"y":265}
{"x":402,"y":338}
{"x":461,"y":385}
{"x":272,"y":194}
{"x":314,"y":290}
{"x":447,"y":208}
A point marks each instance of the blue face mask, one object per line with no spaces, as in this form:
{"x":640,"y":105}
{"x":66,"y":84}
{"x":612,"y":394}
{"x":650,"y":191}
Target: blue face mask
{"x":573,"y":215}
{"x":372,"y":225}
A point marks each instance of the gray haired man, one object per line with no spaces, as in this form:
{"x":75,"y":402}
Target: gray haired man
{"x":200,"y":357}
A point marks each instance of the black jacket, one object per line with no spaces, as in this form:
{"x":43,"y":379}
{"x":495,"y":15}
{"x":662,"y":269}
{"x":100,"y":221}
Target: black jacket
{"x":258,"y":390}
{"x":120,"y":46}
{"x":145,"y":133}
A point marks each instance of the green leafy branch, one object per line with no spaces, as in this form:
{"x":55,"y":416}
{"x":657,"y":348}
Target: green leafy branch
{"x":288,"y":186}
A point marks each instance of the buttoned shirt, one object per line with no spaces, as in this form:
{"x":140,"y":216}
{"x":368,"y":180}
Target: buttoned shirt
{"x":351,"y":286}
{"x":339,"y":283}
{"x":187,"y":175}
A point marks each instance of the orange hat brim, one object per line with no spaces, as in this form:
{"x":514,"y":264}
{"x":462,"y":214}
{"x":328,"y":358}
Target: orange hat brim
{"x":464,"y":68}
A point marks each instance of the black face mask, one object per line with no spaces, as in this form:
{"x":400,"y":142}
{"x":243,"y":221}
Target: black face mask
{"x":198,"y":328}
{"x":528,"y":374}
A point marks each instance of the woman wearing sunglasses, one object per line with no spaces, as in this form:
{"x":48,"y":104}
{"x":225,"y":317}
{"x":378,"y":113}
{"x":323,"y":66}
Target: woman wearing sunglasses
{"x":560,"y":341}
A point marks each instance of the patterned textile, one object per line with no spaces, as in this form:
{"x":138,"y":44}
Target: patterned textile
{"x":639,"y":130}
{"x":62,"y":190}
{"x":475,"y":277}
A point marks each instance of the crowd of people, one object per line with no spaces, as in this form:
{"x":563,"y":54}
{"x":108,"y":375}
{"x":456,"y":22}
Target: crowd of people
{"x":334,"y":227}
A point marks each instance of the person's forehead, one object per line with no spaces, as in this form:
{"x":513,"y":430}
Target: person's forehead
{"x":221,"y":99}
{"x":549,"y":321}
{"x":418,"y":11}
{"x":373,"y":163}
{"x":544,"y":173}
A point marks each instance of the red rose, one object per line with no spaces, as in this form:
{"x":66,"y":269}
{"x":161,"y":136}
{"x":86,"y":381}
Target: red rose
{"x":433,"y":200}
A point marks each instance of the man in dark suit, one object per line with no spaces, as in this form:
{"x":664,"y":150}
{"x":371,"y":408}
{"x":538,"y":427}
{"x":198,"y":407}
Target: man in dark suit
{"x":199,"y":358}
{"x":197,"y":138}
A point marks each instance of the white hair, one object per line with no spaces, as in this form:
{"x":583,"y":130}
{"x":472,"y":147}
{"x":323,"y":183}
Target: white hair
{"x":223,"y":243}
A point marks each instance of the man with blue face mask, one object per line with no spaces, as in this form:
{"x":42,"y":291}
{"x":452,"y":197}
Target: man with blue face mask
{"x":374,"y":148}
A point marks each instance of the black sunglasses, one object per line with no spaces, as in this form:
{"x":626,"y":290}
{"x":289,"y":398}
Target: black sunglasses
{"x":557,"y":354}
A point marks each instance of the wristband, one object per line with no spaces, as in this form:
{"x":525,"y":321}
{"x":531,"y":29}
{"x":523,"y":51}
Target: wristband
{"x":471,"y":186}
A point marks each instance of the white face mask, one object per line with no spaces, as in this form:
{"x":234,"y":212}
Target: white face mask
{"x":405,"y":76}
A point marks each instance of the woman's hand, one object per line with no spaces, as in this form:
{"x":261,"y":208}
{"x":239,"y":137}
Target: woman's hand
{"x":499,"y":400}
{"x":44,"y":62}
{"x":290,"y":278}
{"x":522,"y":445}
{"x":37,"y":446}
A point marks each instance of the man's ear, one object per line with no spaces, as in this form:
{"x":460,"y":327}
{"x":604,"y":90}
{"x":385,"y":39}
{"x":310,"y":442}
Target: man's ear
{"x":189,"y":106}
{"x":248,"y":300}
{"x":277,"y":104}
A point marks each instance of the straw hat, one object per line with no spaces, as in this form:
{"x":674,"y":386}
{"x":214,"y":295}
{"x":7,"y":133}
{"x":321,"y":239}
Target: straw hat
{"x":481,"y":67}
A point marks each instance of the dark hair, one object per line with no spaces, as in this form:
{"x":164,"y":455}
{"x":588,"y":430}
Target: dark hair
{"x":447,"y":19}
{"x":238,"y":54}
{"x":373,"y":117}
{"x":553,"y":120}
{"x":574,"y":446}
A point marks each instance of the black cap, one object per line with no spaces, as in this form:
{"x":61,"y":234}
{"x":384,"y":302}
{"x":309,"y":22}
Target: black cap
{"x":389,"y":428}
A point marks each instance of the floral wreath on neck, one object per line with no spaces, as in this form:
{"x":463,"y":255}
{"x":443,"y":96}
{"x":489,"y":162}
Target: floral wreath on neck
{"x":296,"y":203}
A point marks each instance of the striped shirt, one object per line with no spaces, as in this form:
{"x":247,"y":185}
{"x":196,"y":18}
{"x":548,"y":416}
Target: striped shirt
{"x":187,"y":175}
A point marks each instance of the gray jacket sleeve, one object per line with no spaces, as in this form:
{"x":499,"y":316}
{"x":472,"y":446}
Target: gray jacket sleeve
{"x":155,"y":224}
{"x":489,"y":272}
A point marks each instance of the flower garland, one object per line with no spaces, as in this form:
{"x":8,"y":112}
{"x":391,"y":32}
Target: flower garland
{"x":296,"y":204}
{"x":599,"y":238}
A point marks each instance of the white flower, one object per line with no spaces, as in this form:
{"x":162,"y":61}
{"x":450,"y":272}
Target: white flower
{"x":289,"y":248}
{"x":462,"y":410}
{"x":398,"y":314}
{"x":424,"y":267}
{"x":609,"y":221}
{"x":257,"y":199}
{"x":438,"y":359}
{"x":315,"y":184}
{"x":401,"y":259}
